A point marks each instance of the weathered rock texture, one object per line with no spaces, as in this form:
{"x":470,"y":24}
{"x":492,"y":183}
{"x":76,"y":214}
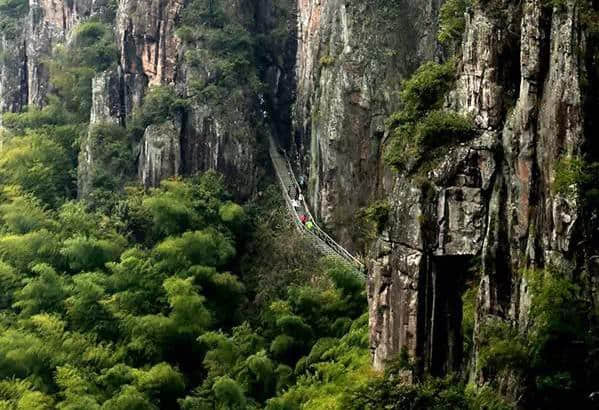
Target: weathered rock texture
{"x":351,"y":59}
{"x":160,"y":155}
{"x":23,"y":75}
{"x":214,"y":134}
{"x":489,"y":200}
{"x":148,"y":46}
{"x":486,"y":210}
{"x":107,"y":109}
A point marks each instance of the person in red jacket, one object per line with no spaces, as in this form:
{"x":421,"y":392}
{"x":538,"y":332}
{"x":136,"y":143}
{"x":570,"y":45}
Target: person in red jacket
{"x":303,"y":218}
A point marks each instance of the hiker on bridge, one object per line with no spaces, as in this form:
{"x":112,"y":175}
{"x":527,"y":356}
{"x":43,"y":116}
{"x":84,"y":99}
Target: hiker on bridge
{"x":303,"y":219}
{"x":302,"y":181}
{"x":293,"y":191}
{"x":310,"y":225}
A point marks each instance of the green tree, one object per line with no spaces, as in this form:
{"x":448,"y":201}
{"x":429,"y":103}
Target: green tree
{"x":162,"y":384}
{"x":44,"y":293}
{"x":129,"y":399}
{"x":229,"y":394}
{"x":39,"y":166}
{"x":83,"y":253}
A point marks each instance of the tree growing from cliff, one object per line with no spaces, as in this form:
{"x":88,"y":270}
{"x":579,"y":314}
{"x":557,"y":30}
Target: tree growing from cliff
{"x":72,"y":67}
{"x":452,"y":20}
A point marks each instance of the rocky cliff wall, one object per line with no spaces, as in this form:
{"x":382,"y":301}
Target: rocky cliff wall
{"x":217,"y":133}
{"x":482,"y":212}
{"x":23,"y":75}
{"x":487,"y":207}
{"x":486,"y":210}
{"x":351,"y":59}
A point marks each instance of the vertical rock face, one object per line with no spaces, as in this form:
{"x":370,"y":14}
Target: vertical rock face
{"x":490,"y":199}
{"x":49,"y":23}
{"x":23,"y":75}
{"x":223,"y":140}
{"x":148,"y":45}
{"x":107,"y":98}
{"x":217,"y":134}
{"x":107,"y":109}
{"x":160,"y":155}
{"x":340,"y":63}
{"x":348,"y":71}
{"x":13,"y":74}
{"x":221,"y":135}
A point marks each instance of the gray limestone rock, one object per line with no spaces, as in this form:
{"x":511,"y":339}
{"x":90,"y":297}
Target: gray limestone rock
{"x":160,"y":155}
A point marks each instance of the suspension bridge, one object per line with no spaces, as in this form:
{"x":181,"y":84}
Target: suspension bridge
{"x":319,"y":238}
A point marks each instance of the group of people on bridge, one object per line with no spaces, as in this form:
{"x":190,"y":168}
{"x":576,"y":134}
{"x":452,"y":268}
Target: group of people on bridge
{"x":295,"y":193}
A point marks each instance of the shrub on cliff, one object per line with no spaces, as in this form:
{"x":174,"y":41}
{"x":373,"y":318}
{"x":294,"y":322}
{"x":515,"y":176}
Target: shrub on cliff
{"x":10,"y":13}
{"x":73,"y":66}
{"x":370,"y":221}
{"x":421,"y":125}
{"x":160,"y":104}
{"x":93,"y":46}
{"x":221,"y":51}
{"x":452,"y":21}
{"x":425,"y":90}
{"x":411,"y":141}
{"x":575,"y":176}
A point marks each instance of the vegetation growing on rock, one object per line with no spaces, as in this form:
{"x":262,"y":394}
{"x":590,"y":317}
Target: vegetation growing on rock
{"x":91,"y":51}
{"x":11,"y":11}
{"x":452,"y":21}
{"x":422,"y":124}
{"x":179,"y":296}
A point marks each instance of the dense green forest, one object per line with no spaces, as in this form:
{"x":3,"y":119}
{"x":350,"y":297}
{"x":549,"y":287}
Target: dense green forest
{"x":162,"y":299}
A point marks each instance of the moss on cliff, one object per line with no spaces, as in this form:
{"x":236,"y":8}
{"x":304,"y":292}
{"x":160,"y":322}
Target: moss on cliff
{"x":422,"y":125}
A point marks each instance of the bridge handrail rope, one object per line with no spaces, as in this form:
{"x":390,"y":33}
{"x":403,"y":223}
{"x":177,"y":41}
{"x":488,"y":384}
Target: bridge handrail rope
{"x":317,"y":232}
{"x":290,"y":206}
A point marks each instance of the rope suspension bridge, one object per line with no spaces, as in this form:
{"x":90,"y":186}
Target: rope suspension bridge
{"x":319,"y":238}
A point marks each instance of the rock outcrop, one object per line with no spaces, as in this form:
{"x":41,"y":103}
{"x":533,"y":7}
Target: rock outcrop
{"x":23,"y":74}
{"x":149,"y":48}
{"x":160,"y":155}
{"x":106,"y":109}
{"x":219,"y":134}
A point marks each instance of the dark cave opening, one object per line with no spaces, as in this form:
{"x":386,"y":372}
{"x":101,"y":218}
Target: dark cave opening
{"x":449,"y":277}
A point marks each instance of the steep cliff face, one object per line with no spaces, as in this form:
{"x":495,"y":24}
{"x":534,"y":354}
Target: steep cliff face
{"x":218,"y":132}
{"x":149,"y":49}
{"x":487,"y":207}
{"x":479,"y":214}
{"x":483,"y":211}
{"x":351,"y":59}
{"x":24,"y":76}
